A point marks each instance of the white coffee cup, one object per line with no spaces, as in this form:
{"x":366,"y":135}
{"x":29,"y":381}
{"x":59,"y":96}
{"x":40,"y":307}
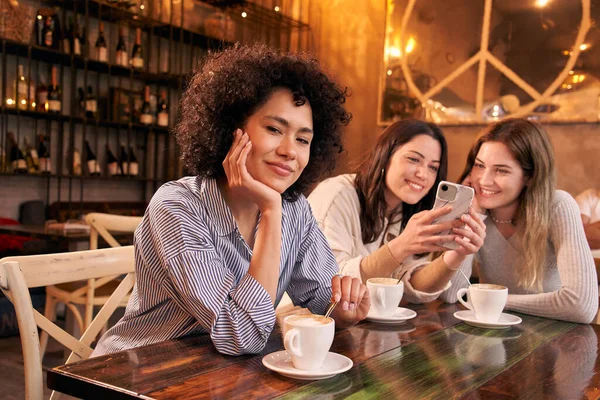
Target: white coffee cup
{"x":308,"y":338}
{"x":386,"y":294}
{"x":486,"y":300}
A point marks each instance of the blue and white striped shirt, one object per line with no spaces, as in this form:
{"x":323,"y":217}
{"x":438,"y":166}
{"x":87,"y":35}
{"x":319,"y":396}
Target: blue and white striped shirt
{"x":191,"y":267}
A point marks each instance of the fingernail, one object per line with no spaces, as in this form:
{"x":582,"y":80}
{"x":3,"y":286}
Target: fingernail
{"x":351,"y":306}
{"x":337,"y":297}
{"x":466,"y":216}
{"x":455,"y":229}
{"x":345,"y":306}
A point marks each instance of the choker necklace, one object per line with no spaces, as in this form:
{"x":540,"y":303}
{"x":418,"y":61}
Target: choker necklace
{"x":509,"y":221}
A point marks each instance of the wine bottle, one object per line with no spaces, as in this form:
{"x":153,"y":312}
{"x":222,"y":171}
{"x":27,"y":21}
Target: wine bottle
{"x":112,"y":164}
{"x":76,"y":162}
{"x":85,"y":45}
{"x":76,"y":42}
{"x":41,"y":96}
{"x":137,"y":57}
{"x":44,"y":155}
{"x":124,"y":161}
{"x":81,"y":95}
{"x":91,"y":160}
{"x":47,"y":33}
{"x":54,"y":104}
{"x":31,"y":156}
{"x":101,"y":48}
{"x":2,"y":160}
{"x":17,"y":160}
{"x":91,"y":104}
{"x":146,"y":112}
{"x":134,"y":166}
{"x":122,"y":49}
{"x":68,"y":37}
{"x":163,"y":109}
{"x":22,"y":89}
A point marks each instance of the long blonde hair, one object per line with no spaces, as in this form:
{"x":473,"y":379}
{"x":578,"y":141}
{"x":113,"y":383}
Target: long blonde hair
{"x":530,"y":145}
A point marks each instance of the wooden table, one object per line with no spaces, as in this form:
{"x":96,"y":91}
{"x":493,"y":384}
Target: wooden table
{"x":432,"y":356}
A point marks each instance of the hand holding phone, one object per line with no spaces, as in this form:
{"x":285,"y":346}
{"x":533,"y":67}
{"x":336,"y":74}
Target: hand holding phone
{"x":460,"y":198}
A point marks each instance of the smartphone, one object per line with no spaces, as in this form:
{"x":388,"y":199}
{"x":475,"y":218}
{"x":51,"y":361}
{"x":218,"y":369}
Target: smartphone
{"x":460,"y":198}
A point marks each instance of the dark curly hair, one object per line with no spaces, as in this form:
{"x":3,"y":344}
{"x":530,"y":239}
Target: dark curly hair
{"x":231,"y":85}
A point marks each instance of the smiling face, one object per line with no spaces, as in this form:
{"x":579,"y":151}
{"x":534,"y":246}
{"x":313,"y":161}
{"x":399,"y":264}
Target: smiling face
{"x":498,"y":180}
{"x":281,"y":133}
{"x":412,"y":171}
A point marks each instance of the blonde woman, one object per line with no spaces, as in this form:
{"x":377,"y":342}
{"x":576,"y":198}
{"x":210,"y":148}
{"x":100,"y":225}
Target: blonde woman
{"x":535,"y":243}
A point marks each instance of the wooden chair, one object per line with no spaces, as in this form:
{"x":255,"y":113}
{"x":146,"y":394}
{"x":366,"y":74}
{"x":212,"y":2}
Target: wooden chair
{"x":19,"y":274}
{"x":94,"y":292}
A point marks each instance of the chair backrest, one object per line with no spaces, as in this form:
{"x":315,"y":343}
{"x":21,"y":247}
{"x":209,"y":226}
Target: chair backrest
{"x":18,"y":274}
{"x":103,"y":224}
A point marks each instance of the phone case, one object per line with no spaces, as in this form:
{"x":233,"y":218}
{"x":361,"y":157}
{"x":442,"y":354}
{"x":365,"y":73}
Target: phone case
{"x":460,"y":198}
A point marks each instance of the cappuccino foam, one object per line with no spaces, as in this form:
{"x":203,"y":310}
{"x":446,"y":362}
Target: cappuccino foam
{"x":308,"y":320}
{"x":383,"y":281}
{"x":488,"y":286}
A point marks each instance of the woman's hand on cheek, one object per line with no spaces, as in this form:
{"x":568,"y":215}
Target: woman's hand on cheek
{"x":240,"y":180}
{"x":353,"y":298}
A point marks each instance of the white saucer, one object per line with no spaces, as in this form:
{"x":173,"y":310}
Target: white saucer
{"x":281,"y":362}
{"x":399,"y":316}
{"x":505,"y":321}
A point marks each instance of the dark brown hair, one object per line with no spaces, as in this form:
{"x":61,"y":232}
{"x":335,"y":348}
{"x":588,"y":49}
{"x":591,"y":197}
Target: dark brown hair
{"x":370,"y":181}
{"x":231,"y":85}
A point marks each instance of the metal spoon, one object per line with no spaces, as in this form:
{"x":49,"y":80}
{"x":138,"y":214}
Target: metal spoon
{"x":401,"y":276}
{"x":330,"y":308}
{"x":463,"y":274}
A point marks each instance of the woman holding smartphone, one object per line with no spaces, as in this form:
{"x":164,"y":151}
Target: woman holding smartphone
{"x":379,"y":221}
{"x":535,"y":242}
{"x":216,"y":251}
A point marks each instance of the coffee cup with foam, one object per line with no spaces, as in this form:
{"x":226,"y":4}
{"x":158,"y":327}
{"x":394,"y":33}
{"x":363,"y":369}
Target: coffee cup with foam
{"x":308,"y":338}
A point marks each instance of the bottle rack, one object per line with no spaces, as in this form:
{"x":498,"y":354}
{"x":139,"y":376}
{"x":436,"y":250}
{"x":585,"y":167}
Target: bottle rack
{"x":171,"y":52}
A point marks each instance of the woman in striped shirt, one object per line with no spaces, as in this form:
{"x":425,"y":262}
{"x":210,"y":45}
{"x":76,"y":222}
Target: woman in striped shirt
{"x":216,"y":251}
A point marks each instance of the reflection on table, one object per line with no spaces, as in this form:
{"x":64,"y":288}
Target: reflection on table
{"x":433,"y":355}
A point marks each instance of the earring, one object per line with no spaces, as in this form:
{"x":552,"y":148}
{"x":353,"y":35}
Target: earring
{"x":382,"y":172}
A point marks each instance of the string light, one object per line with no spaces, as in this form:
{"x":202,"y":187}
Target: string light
{"x":541,"y":3}
{"x":277,"y":8}
{"x":410,"y":45}
{"x":244,"y":14}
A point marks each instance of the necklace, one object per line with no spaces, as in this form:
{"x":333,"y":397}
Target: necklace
{"x":509,"y":221}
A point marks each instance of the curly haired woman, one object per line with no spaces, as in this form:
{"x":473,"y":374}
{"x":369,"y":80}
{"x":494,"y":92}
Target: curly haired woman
{"x":216,"y":251}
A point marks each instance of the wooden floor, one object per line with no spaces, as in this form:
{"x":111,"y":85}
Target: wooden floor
{"x":12,"y":379}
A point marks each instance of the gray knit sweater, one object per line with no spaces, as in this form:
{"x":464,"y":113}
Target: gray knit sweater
{"x":570,"y":284}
